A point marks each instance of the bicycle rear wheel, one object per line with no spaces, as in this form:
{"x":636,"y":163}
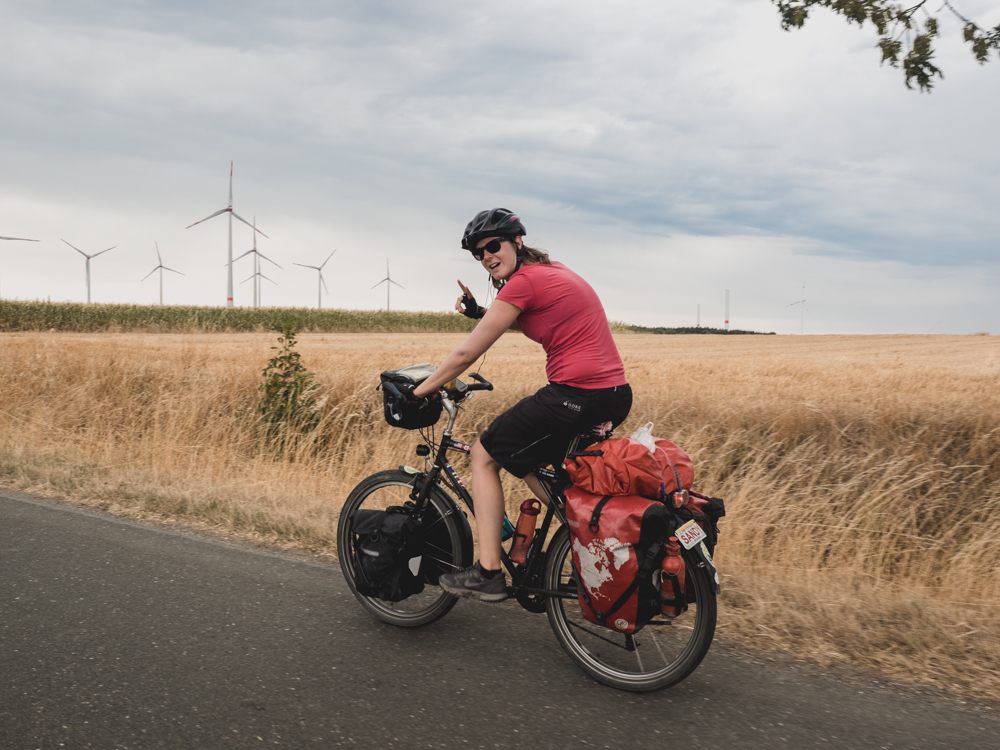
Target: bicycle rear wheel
{"x":446,"y":547}
{"x":660,"y":655}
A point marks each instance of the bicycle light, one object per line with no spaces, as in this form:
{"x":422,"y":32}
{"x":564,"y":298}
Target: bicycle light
{"x":423,"y":450}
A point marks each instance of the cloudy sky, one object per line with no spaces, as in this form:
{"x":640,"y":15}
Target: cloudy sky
{"x":665,"y":150}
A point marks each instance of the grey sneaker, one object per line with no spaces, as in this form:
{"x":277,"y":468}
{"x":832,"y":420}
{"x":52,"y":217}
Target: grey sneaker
{"x":471,"y":583}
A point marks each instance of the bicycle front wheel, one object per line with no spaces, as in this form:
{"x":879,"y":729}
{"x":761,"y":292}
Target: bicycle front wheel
{"x":662,"y":654}
{"x":446,"y":547}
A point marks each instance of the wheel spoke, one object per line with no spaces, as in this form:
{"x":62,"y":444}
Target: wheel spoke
{"x":634,"y":645}
{"x":656,"y":642}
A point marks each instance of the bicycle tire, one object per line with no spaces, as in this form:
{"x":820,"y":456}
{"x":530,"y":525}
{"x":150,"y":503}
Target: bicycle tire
{"x":673,"y":649}
{"x":449,"y":549}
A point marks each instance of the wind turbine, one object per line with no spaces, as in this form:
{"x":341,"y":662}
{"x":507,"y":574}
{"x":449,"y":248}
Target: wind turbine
{"x":229,"y":209}
{"x":388,"y":282}
{"x":256,"y":267}
{"x":257,"y":276}
{"x":18,"y":239}
{"x":322,"y":284}
{"x":161,"y":268}
{"x":88,"y":257}
{"x":802,"y":322}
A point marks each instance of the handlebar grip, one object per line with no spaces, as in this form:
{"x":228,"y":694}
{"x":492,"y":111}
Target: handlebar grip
{"x":487,"y":385}
{"x":393,"y":390}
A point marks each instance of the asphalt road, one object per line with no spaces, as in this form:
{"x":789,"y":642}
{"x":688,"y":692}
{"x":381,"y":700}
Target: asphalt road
{"x":116,"y":634}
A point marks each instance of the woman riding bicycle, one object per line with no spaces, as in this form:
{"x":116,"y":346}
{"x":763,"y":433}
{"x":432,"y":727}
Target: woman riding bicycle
{"x":556,"y":308}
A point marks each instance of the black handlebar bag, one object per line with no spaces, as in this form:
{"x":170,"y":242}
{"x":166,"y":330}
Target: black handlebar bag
{"x":410,"y":415}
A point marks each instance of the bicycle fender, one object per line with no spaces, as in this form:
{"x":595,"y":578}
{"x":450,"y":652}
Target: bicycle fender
{"x":703,"y":558}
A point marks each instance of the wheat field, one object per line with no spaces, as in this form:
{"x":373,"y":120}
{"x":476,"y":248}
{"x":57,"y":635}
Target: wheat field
{"x":861,"y":474}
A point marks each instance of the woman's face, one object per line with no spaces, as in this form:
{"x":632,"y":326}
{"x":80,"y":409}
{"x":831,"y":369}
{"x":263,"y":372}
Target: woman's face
{"x":501,"y":264}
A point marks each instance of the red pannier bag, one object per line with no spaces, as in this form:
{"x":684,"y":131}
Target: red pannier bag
{"x":623,"y":466}
{"x":617,"y":545}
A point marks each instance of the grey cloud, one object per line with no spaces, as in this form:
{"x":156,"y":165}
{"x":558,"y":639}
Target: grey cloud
{"x":653,"y":119}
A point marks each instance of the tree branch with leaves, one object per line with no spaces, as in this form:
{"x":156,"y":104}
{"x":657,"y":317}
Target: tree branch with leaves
{"x":907,"y":31}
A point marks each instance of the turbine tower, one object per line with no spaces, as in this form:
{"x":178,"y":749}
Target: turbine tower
{"x":229,"y":210}
{"x":17,"y":239}
{"x":322,"y":284}
{"x":161,"y":268}
{"x":802,"y":311}
{"x":727,"y":309}
{"x":256,"y":263}
{"x":88,"y":257}
{"x":388,"y":284}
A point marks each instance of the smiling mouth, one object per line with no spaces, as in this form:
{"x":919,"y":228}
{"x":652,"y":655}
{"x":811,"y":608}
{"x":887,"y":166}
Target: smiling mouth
{"x":495,"y":266}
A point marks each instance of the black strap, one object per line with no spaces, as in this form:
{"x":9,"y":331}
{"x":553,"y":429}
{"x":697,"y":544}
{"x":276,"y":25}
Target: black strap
{"x":645,"y":568}
{"x":681,"y":602}
{"x":595,"y":525}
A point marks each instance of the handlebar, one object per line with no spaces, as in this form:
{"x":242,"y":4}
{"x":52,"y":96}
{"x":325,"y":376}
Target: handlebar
{"x":392,"y":390}
{"x":484,"y":384}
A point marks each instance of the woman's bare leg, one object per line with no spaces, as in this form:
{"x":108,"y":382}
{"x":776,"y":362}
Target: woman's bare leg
{"x":487,"y":493}
{"x":536,"y":488}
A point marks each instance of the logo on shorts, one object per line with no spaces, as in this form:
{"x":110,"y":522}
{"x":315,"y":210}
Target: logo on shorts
{"x":621,"y":624}
{"x":574,"y":407}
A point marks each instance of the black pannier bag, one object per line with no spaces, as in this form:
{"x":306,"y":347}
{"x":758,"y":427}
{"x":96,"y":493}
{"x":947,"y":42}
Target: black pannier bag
{"x":398,"y":413}
{"x":385,"y":541}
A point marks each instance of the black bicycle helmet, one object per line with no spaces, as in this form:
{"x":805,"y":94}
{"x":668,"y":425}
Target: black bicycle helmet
{"x":497,"y":222}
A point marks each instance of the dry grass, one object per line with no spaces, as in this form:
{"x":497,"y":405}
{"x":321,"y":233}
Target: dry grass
{"x":861,"y":473}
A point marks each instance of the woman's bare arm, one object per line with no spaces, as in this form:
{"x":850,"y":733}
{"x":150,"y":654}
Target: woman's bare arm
{"x":500,"y":317}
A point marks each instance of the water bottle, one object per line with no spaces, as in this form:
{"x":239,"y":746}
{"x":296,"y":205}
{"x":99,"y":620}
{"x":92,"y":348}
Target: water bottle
{"x":525,"y":531}
{"x":671,"y":575}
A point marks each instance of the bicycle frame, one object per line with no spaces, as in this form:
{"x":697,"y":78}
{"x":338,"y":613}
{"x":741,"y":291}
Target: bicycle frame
{"x":441,"y":471}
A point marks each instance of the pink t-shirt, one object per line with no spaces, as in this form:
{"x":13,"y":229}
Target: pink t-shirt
{"x":562,"y":312}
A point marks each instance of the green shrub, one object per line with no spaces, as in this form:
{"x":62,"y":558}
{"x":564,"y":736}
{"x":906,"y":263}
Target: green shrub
{"x":287,"y":403}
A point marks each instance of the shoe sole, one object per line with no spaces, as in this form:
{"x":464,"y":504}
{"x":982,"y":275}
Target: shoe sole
{"x":477,"y":595}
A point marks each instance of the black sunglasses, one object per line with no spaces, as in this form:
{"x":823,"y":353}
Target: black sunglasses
{"x":492,"y":247}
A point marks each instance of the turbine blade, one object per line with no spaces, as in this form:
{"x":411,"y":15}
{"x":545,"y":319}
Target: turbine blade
{"x":102,"y":252}
{"x":399,"y":285}
{"x":77,"y":249}
{"x":158,"y":252}
{"x":22,"y":239}
{"x":304,"y":265}
{"x":248,"y":278}
{"x":380,"y":283}
{"x":328,"y":258}
{"x":170,"y":269}
{"x":323,"y":282}
{"x":149,"y":274}
{"x":220,"y":211}
{"x":266,"y":258}
{"x":236,"y":215}
{"x":265,"y":277}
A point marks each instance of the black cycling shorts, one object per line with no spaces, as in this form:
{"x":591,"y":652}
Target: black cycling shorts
{"x":537,"y":430}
